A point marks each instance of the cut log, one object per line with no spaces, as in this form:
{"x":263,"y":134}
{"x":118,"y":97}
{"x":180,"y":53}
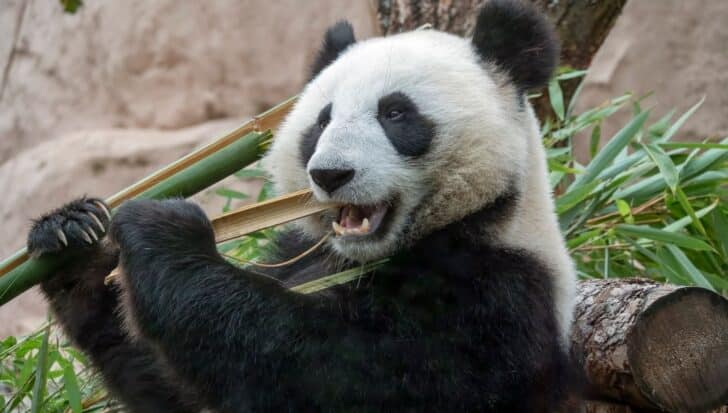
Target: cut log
{"x":582,"y":27}
{"x":652,"y":345}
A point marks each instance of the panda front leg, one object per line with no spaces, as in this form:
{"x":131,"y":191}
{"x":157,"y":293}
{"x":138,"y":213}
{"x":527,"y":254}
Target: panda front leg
{"x":242,"y":341}
{"x":87,"y":309}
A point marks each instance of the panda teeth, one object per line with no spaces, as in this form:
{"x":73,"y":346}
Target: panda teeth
{"x":361,"y":230}
{"x":364,"y":228}
{"x":338,"y":229}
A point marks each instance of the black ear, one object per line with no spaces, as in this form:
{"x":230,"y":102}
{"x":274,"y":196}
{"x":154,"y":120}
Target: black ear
{"x":337,"y":38}
{"x":519,"y":39}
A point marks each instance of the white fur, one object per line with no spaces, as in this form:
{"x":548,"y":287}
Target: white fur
{"x":484,"y":146}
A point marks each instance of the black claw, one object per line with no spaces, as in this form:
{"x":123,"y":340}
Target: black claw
{"x":97,"y":221}
{"x":76,"y":225}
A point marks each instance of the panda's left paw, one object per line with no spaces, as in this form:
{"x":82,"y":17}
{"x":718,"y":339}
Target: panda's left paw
{"x":170,"y":225}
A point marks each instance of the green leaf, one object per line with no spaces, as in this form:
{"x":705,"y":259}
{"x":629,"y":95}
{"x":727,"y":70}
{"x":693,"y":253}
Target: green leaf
{"x":624,"y":210}
{"x":685,"y":203}
{"x":230,"y":193}
{"x":664,"y":163}
{"x":719,"y":219}
{"x":688,"y":268}
{"x":70,"y":385}
{"x":251,"y":173}
{"x":610,"y":151}
{"x":706,"y":145}
{"x":71,"y":6}
{"x":571,"y":74}
{"x":557,"y":98}
{"x":684,"y":221}
{"x":678,"y":124}
{"x":582,"y":238}
{"x":676,"y":238}
{"x":660,"y":127}
{"x":571,"y":199}
{"x":596,"y":137}
{"x":41,"y":373}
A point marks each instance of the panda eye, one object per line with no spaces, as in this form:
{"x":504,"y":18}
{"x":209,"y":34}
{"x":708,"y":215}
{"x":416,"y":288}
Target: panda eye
{"x":395,"y":114}
{"x":324,"y":117}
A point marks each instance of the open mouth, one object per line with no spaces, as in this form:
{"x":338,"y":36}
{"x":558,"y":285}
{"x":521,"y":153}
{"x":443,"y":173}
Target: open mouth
{"x":359,"y":220}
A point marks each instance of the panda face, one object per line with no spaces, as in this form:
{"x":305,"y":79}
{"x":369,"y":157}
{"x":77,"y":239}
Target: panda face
{"x":409,"y":133}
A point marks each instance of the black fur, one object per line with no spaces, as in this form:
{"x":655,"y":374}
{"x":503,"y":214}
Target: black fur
{"x":519,"y":39}
{"x":310,"y":137}
{"x":407,"y":129}
{"x":448,"y":324}
{"x":87,"y":309}
{"x":337,"y":38}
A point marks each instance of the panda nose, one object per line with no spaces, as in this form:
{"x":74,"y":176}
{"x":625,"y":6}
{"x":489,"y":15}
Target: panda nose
{"x":331,"y":179}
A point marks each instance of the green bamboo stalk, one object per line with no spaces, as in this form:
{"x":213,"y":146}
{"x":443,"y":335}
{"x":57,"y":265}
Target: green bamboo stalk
{"x":184,"y":183}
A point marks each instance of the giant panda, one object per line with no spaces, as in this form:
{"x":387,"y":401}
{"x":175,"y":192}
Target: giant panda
{"x":429,"y":142}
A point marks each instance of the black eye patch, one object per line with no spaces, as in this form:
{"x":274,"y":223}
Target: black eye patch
{"x":310,"y":137}
{"x":409,"y":131}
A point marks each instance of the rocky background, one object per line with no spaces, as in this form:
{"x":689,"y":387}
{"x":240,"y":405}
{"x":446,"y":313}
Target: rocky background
{"x":91,"y":102}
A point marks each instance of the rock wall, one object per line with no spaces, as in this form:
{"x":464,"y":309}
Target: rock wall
{"x":129,"y":75}
{"x":674,"y":48}
{"x":153,"y":64}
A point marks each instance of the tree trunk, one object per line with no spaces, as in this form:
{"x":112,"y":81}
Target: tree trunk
{"x":652,"y":345}
{"x":582,"y":27}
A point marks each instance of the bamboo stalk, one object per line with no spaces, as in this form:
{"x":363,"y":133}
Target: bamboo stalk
{"x":262,"y":215}
{"x":252,"y":218}
{"x":183,"y":178}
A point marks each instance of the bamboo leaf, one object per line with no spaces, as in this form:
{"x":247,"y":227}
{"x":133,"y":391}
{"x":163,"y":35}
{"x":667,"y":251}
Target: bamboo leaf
{"x":683,"y":200}
{"x":679,"y":123}
{"x":720,"y":224}
{"x":688,"y":268}
{"x":694,"y":145}
{"x":610,"y":151}
{"x":571,"y":199}
{"x":41,"y":373}
{"x":659,"y":128}
{"x":664,"y":163}
{"x":230,"y":193}
{"x":676,"y":238}
{"x":684,"y":221}
{"x":571,"y":74}
{"x":70,"y":385}
{"x":557,"y":98}
{"x":596,"y":137}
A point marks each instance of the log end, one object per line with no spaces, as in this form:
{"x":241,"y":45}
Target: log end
{"x":677,"y":350}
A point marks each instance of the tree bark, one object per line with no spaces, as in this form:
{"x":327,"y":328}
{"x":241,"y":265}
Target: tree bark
{"x":582,"y":27}
{"x":652,"y":346}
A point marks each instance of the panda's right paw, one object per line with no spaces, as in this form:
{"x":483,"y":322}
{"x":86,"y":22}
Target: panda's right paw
{"x":77,"y":225}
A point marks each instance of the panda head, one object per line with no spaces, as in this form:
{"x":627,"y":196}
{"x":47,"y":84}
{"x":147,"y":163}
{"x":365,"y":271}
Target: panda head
{"x":413,"y":131}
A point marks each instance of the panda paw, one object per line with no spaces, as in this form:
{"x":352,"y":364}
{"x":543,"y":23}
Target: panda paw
{"x":75,"y":226}
{"x":172,"y":226}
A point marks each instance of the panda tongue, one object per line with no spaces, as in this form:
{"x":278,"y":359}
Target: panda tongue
{"x":351,"y":217}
